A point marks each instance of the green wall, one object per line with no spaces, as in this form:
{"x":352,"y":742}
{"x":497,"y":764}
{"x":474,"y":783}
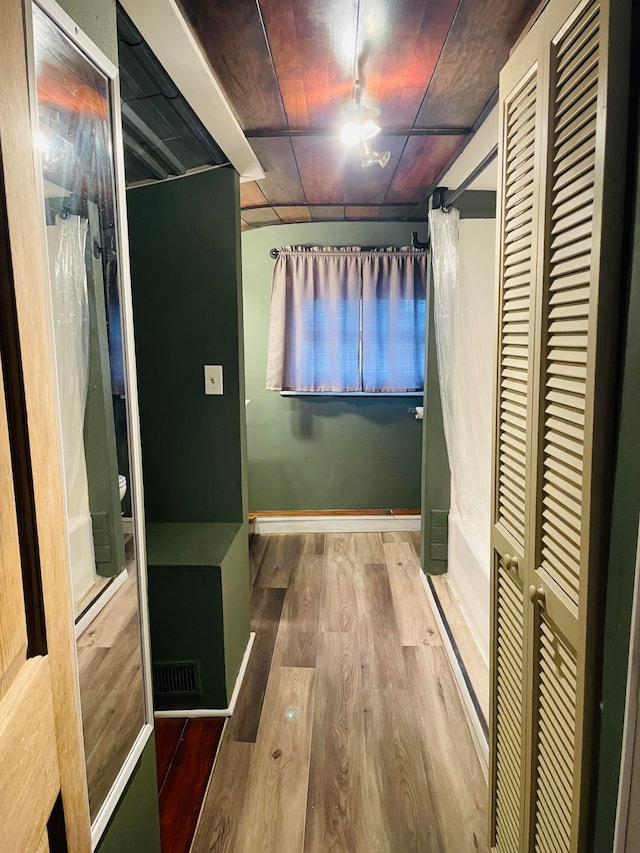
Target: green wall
{"x":624,"y":538}
{"x":98,"y":20}
{"x":184,"y":246}
{"x":135,"y":825}
{"x":436,"y":477}
{"x":320,"y":452}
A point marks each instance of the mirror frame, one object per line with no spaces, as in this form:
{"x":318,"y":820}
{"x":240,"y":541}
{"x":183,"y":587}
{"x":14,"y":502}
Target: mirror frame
{"x":93,"y":54}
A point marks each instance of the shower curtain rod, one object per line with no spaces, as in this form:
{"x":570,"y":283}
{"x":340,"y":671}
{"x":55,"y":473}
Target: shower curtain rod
{"x":415,"y":244}
{"x":444,"y":204}
{"x":482,"y":165}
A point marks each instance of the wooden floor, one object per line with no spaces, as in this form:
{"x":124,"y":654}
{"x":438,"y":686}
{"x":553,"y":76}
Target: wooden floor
{"x":111,"y":688}
{"x":185,"y":751}
{"x":349,"y":734}
{"x":476,"y":668}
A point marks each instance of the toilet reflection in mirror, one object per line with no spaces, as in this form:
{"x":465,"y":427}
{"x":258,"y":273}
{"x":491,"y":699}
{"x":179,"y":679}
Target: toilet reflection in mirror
{"x":74,"y":146}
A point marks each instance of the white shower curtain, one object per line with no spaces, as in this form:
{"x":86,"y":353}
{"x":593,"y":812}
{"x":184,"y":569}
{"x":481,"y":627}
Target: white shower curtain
{"x":465,"y":384}
{"x":66,"y":242}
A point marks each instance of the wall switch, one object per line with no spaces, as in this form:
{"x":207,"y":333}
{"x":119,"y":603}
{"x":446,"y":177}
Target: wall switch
{"x":213,"y":379}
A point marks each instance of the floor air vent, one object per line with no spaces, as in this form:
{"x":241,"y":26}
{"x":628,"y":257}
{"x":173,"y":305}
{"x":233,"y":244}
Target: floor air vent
{"x":176,"y":678}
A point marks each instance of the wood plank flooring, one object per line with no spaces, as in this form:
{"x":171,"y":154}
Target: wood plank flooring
{"x":111,"y":687}
{"x":349,"y":734}
{"x":185,"y":753}
{"x":476,"y":668}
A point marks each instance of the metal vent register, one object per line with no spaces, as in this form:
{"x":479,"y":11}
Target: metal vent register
{"x":176,"y":678}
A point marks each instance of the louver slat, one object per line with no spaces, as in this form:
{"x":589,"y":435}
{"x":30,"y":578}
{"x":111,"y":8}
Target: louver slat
{"x":555,"y":742}
{"x":567,"y":323}
{"x":509,"y":667}
{"x":518,"y":198}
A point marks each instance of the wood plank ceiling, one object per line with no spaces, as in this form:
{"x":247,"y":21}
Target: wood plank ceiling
{"x":286,"y":66}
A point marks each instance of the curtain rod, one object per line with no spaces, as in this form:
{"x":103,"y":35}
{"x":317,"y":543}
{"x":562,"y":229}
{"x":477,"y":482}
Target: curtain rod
{"x":415,"y":244}
{"x":482,"y":165}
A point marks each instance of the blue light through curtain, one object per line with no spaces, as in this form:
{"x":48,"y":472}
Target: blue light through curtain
{"x":344,"y":320}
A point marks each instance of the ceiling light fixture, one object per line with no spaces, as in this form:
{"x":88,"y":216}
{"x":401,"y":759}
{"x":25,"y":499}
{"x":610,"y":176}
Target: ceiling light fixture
{"x":360,"y":125}
{"x":372,"y":157}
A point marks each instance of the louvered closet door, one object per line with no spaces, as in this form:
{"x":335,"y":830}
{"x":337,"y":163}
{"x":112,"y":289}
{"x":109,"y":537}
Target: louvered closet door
{"x":577,"y":311}
{"x":555,"y":512}
{"x":520,"y":123}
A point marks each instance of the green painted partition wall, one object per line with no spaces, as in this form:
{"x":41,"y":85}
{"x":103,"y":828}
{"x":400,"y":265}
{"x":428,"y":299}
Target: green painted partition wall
{"x":184,"y":240}
{"x":435,"y":463}
{"x":184,"y":245}
{"x":323,"y":452}
{"x":135,"y":825}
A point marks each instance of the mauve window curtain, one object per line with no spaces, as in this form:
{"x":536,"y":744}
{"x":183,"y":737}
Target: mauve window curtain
{"x":347,"y":320}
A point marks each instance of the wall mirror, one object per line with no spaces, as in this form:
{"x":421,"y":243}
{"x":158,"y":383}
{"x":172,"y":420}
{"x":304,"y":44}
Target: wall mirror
{"x":78,"y":154}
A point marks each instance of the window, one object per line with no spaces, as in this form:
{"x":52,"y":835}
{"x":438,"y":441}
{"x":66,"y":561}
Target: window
{"x":343,"y":320}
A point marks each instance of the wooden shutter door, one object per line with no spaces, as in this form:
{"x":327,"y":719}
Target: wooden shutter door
{"x":579,"y":295}
{"x":555,"y":521}
{"x":43,"y":797}
{"x":520,"y":122}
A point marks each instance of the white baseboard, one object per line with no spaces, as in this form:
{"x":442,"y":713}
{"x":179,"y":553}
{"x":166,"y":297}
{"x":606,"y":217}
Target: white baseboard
{"x":101,"y":601}
{"x":216,"y":712}
{"x":477,"y":733}
{"x":334,"y":523}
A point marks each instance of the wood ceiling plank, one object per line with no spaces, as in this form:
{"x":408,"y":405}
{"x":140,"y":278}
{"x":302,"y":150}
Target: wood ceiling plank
{"x":476,"y":49}
{"x":326,"y":213}
{"x":354,"y":212}
{"x":370,"y":185}
{"x":231,"y":35}
{"x":322,"y":167}
{"x":313,"y":50}
{"x":251,"y":194}
{"x":423,"y":159}
{"x":294,"y":213}
{"x":261,"y":216}
{"x":282,"y":182}
{"x":399,"y":44}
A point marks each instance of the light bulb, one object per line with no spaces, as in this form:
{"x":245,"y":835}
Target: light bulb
{"x":351,"y":133}
{"x":370,"y":129}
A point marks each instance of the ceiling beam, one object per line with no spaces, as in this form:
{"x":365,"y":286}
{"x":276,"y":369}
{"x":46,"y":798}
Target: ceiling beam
{"x":332,"y":131}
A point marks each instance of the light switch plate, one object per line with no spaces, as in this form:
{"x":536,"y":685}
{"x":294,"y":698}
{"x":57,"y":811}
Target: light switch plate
{"x":213,"y":379}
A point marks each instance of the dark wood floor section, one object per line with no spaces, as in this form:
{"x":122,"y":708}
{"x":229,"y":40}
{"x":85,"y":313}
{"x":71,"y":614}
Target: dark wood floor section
{"x":349,"y":734}
{"x":185,"y":752}
{"x":168,"y":734}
